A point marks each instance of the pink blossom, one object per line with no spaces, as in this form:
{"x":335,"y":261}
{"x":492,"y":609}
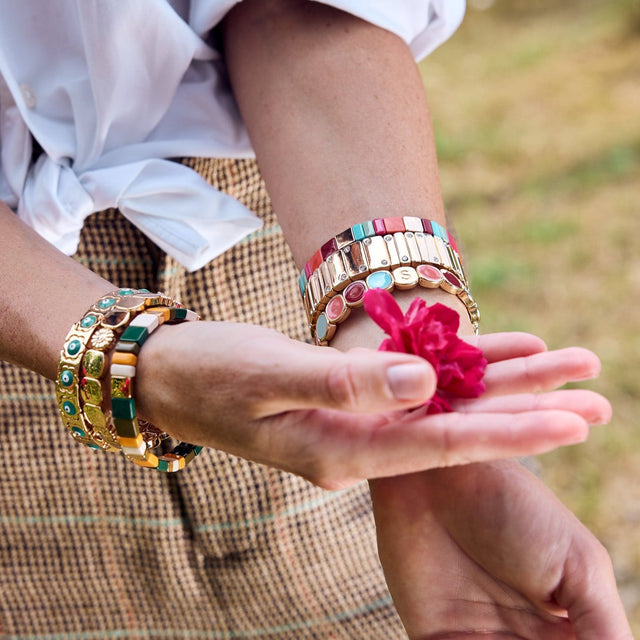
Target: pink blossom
{"x":430,"y":332}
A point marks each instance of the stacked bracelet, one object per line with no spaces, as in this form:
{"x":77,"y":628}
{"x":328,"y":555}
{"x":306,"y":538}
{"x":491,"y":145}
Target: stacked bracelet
{"x":137,"y":443}
{"x":399,"y":252}
{"x":95,"y":376}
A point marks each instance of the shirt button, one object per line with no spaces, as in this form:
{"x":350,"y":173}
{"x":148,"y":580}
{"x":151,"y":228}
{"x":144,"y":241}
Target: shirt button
{"x":28,"y":96}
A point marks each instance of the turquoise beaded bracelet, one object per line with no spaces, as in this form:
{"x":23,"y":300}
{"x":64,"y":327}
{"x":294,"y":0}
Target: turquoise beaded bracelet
{"x":84,"y":386}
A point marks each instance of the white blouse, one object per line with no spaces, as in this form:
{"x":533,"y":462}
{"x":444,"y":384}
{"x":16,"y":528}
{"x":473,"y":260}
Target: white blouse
{"x":110,"y":89}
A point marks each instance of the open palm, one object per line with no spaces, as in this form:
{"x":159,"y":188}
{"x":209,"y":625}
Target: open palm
{"x":486,"y":550}
{"x":330,"y":416}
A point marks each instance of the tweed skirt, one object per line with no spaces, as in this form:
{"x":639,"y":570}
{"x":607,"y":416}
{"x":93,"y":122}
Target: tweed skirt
{"x":92,"y":546}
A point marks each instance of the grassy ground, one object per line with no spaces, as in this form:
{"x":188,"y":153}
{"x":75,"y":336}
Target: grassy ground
{"x":537,"y":111}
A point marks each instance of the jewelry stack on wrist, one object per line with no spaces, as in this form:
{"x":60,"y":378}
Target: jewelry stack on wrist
{"x":96,"y":375}
{"x":388,"y":253}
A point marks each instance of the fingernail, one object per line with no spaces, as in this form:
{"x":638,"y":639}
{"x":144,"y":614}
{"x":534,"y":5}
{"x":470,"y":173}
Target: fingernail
{"x":601,"y":417}
{"x":410,"y":381}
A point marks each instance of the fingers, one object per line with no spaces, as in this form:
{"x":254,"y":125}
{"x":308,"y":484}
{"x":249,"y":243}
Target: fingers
{"x":507,"y":345}
{"x":340,"y":449}
{"x":453,"y":439}
{"x":591,"y":406}
{"x":368,"y":381}
{"x":541,"y":371}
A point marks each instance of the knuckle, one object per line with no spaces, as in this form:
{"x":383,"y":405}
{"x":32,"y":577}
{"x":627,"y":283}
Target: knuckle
{"x":601,"y":556}
{"x":590,"y":563}
{"x":341,"y":388}
{"x":445,"y":450}
{"x":590,"y":547}
{"x":326,"y":477}
{"x":531,"y":376}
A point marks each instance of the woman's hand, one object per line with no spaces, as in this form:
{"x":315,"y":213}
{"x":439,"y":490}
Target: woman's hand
{"x":336,"y":418}
{"x":487,"y":551}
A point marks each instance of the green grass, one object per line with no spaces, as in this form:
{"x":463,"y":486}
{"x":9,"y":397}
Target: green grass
{"x":536,"y":107}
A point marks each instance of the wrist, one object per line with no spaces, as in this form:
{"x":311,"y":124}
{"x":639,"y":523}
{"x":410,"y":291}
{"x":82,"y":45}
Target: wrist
{"x":96,"y":382}
{"x":361,"y":331}
{"x":397,"y":254}
{"x":42,"y":293}
{"x":157,"y":367}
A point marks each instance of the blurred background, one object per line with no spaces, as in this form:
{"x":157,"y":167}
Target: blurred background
{"x":536,"y":107}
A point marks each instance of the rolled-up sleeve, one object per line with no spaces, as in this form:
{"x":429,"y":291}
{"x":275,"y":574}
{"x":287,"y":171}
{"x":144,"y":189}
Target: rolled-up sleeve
{"x":423,"y":24}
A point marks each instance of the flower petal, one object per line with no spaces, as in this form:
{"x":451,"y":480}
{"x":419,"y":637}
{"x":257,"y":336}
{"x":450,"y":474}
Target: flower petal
{"x":430,"y":332}
{"x":383,"y":309}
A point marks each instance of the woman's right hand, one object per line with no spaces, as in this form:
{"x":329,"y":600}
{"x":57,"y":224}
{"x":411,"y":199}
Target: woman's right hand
{"x":487,"y":551}
{"x":336,"y":418}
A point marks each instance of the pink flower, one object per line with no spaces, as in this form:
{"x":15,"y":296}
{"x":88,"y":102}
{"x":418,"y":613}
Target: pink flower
{"x":430,"y":332}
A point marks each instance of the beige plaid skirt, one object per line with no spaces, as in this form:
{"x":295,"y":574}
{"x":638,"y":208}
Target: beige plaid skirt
{"x":92,"y":546}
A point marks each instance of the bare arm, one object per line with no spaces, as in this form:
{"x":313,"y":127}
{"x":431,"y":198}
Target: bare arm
{"x":338,"y":117}
{"x":42,"y":293}
{"x":337,"y":114}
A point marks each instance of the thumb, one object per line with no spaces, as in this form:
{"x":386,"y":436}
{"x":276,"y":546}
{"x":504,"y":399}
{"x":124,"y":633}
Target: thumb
{"x":360,"y":380}
{"x":589,"y":594}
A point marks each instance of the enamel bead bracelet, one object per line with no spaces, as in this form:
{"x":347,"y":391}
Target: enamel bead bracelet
{"x":389,"y":253}
{"x":96,"y":370}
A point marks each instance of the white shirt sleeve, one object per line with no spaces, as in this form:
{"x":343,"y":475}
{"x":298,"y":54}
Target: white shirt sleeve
{"x":126,"y":91}
{"x":423,"y":25}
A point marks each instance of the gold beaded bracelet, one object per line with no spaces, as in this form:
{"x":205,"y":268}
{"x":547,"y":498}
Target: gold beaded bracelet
{"x":92,"y":386}
{"x":340,"y":305}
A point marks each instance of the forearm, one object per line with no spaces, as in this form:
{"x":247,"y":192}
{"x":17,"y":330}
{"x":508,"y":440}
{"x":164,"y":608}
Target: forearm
{"x":42,"y":293}
{"x":338,"y":117}
{"x":337,"y":114}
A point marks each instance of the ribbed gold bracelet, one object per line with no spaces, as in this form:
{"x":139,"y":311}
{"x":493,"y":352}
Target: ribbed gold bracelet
{"x":386,"y":252}
{"x":86,"y":369}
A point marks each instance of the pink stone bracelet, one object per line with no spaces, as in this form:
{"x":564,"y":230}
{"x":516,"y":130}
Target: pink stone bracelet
{"x":340,"y":305}
{"x":376,"y":227}
{"x":346,"y":266}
